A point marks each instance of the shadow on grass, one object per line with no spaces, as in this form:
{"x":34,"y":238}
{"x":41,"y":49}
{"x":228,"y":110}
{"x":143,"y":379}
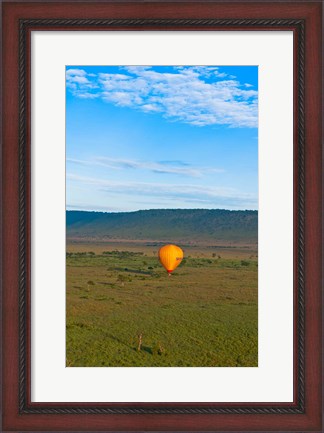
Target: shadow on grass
{"x":113,"y":337}
{"x":147,"y":349}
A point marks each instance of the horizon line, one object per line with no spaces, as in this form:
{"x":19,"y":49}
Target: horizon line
{"x":159,"y":209}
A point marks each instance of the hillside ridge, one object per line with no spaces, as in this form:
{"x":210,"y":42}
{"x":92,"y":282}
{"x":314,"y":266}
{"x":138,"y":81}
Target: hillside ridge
{"x":165,"y":224}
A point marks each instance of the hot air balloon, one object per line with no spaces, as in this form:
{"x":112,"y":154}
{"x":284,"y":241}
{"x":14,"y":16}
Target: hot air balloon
{"x":170,"y":257}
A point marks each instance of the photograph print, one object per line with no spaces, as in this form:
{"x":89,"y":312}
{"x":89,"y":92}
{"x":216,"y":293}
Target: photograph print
{"x":162,"y":216}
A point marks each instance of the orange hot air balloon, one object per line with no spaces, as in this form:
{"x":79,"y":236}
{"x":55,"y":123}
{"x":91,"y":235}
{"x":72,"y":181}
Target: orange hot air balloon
{"x":170,"y":256}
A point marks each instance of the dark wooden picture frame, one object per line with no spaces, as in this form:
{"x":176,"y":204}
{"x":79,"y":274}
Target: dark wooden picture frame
{"x":19,"y":19}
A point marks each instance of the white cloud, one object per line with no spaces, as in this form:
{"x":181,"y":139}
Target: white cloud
{"x":211,"y":195}
{"x":90,"y":207}
{"x":76,"y":72}
{"x":88,"y":95}
{"x":77,"y":80}
{"x":151,"y":107}
{"x":162,"y":167}
{"x":197,"y":95}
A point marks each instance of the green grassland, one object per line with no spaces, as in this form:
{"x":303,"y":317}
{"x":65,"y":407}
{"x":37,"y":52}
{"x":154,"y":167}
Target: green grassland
{"x":205,"y":314}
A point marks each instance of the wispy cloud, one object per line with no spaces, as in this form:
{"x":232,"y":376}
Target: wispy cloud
{"x":86,"y":206}
{"x":207,"y":195}
{"x":162,"y":167}
{"x":198,"y":95}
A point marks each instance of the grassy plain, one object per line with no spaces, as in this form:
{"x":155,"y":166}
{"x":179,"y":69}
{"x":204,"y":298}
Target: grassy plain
{"x":205,"y":314}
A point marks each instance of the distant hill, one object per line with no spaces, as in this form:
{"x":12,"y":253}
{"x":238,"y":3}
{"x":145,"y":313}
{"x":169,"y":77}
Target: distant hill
{"x":165,"y":225}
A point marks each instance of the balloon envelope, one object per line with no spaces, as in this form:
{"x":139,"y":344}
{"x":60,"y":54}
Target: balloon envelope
{"x":170,"y":257}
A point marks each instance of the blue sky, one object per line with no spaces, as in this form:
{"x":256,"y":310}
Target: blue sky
{"x":153,"y":137}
